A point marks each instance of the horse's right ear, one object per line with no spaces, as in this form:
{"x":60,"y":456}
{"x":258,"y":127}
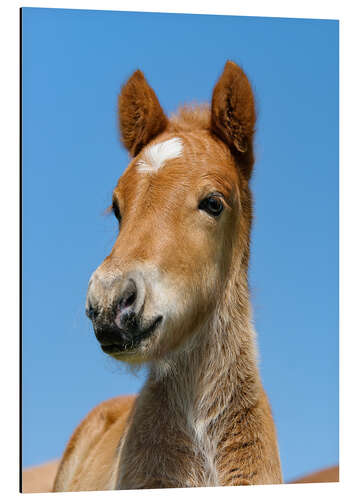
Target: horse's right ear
{"x":141,"y":117}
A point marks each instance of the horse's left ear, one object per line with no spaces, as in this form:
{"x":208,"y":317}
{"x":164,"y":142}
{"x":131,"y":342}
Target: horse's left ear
{"x":141,"y":117}
{"x":233,"y":115}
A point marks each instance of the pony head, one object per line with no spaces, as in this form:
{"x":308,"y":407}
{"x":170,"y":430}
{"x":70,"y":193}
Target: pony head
{"x":184,"y":213}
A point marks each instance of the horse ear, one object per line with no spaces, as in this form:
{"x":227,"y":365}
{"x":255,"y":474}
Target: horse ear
{"x":141,"y":117}
{"x":233,"y":115}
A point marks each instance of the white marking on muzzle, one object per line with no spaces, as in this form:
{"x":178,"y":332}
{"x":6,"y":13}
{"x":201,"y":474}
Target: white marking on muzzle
{"x":157,"y":155}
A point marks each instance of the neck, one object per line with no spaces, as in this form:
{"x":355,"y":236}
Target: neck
{"x":191,"y":399}
{"x":217,"y":367}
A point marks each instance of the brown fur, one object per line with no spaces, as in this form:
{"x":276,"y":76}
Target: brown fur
{"x":40,"y":479}
{"x":202,"y":418}
{"x":233,"y":115}
{"x":141,"y":116}
{"x":87,"y":463}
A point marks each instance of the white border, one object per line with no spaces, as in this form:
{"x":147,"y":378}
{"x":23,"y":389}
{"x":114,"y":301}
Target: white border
{"x":9,"y":43}
{"x":317,"y":9}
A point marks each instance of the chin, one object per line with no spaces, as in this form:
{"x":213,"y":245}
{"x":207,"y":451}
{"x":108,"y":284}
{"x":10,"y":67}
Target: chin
{"x":147,"y":350}
{"x":130,"y":357}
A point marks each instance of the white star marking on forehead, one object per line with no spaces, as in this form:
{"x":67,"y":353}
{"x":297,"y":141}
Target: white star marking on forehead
{"x":155,"y":156}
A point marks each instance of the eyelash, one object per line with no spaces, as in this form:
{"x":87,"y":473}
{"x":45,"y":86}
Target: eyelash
{"x":116,"y":211}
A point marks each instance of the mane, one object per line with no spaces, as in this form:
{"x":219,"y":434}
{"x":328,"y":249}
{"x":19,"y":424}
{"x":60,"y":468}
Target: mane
{"x":191,"y":117}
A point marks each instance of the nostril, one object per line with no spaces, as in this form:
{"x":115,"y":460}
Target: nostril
{"x":128,"y":297}
{"x":91,"y":312}
{"x":129,"y":301}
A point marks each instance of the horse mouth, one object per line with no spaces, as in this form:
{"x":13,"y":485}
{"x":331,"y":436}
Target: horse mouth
{"x":131,"y":341}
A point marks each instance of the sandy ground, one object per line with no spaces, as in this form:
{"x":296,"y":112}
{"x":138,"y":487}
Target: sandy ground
{"x":329,"y":475}
{"x":40,"y":479}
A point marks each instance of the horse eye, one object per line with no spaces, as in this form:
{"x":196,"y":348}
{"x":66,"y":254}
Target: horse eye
{"x":213,"y":205}
{"x":116,"y":211}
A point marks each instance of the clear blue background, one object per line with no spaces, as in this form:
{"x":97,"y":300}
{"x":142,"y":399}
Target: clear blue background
{"x":74,"y":63}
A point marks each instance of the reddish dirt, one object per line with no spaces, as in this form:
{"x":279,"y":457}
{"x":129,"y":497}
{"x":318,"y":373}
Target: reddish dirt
{"x":329,"y":475}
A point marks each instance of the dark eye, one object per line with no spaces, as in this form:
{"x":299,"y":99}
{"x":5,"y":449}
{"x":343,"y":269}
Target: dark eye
{"x":116,"y":210}
{"x":213,"y":205}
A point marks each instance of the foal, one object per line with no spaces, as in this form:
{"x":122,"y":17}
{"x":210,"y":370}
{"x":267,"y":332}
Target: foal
{"x":173,"y":294}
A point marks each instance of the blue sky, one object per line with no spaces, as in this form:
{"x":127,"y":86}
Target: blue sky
{"x":74,"y":63}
